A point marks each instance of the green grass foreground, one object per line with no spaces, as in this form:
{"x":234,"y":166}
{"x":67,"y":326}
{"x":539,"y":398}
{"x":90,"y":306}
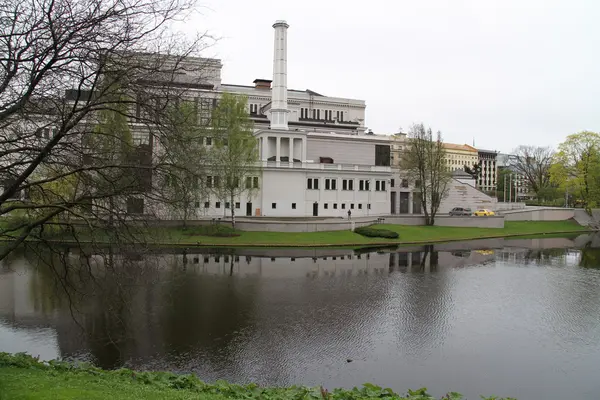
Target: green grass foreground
{"x":24,"y":378}
{"x":407,"y":235}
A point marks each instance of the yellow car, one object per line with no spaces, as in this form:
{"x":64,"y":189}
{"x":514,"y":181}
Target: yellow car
{"x":484,"y":213}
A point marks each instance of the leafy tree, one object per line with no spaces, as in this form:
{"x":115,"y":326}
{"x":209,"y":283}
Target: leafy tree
{"x":234,"y":156}
{"x":424,"y":161}
{"x":184,"y":180}
{"x":576,"y":167}
{"x":534,"y":164}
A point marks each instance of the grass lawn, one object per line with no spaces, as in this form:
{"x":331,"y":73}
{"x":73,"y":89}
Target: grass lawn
{"x":339,"y":238}
{"x":408,"y":234}
{"x":34,"y":384}
{"x":25,"y":378}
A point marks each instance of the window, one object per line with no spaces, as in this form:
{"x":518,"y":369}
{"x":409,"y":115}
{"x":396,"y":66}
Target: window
{"x":335,"y":206}
{"x":352,"y":206}
{"x":218,"y":204}
{"x":417,"y":183}
{"x":135,"y":206}
{"x":248,"y":182}
{"x":392,"y":183}
{"x":255,"y":182}
{"x":318,"y":114}
{"x":382,"y":155}
{"x":326,"y":206}
{"x":206,"y":204}
{"x":237,"y":205}
{"x":348,"y":184}
{"x":273,"y":205}
{"x":380,"y":186}
{"x":227,"y":204}
{"x":209,"y":181}
{"x":404,"y":183}
{"x":216,"y":181}
{"x":369,"y":206}
{"x":312,"y":183}
{"x":330,"y":184}
{"x":343,"y":206}
{"x":197,"y":204}
{"x":314,"y":114}
{"x":209,"y":141}
{"x":363,"y":184}
{"x":293,"y":206}
{"x":360,"y":206}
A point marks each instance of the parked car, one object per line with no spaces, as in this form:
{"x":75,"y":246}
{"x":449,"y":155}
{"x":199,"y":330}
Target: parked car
{"x":484,"y":213}
{"x":458,"y":211}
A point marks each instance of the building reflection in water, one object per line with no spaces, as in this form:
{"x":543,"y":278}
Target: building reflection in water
{"x":277,"y":317}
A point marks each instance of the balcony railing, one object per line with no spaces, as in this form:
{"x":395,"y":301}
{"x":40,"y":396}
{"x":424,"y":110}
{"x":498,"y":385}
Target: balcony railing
{"x":328,"y":167}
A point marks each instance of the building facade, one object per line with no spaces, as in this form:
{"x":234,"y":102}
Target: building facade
{"x":315,"y":156}
{"x":487,"y":180}
{"x":459,"y":155}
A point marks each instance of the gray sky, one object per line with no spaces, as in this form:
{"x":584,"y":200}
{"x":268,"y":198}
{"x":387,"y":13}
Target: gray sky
{"x":504,"y":72}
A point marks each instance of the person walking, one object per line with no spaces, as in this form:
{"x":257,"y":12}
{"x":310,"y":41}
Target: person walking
{"x":349,"y":214}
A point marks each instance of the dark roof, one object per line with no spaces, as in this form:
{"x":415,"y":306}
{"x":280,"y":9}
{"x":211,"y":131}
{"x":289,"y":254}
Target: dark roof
{"x":262,"y":80}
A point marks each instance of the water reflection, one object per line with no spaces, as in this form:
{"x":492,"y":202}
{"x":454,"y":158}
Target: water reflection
{"x":477,"y":317}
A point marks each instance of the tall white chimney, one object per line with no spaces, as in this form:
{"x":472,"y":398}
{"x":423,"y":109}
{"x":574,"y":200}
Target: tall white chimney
{"x":279,"y":110}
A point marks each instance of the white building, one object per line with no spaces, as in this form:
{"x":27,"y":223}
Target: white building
{"x":317,"y":159}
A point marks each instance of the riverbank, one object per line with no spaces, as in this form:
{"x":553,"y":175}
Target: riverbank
{"x":408,"y":235}
{"x":23,"y":377}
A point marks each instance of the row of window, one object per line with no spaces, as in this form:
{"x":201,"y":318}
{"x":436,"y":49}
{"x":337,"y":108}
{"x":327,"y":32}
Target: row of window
{"x":274,"y":205}
{"x":307,"y":113}
{"x":347,"y":184}
{"x":213,"y":182}
{"x":217,"y":258}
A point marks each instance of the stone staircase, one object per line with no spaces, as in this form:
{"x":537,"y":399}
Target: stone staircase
{"x":462,"y":194}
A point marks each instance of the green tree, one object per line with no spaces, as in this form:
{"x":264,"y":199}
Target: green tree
{"x":185,"y":155}
{"x":110,"y":153}
{"x":424,"y":161}
{"x":576,"y":167}
{"x":234,"y":154}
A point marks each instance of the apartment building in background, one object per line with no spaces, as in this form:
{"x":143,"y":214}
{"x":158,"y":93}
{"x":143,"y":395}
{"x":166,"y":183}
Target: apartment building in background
{"x":487,"y":179}
{"x":459,"y":155}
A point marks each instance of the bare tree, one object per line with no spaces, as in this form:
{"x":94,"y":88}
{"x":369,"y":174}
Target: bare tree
{"x":234,"y":156}
{"x":533,"y":163}
{"x":69,"y":66}
{"x":424,"y":161}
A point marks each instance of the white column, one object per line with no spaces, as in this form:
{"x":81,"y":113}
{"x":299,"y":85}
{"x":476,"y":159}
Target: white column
{"x":304,"y":156}
{"x":291,"y":157}
{"x":410,"y":202}
{"x":279,"y":110}
{"x":277,"y":149}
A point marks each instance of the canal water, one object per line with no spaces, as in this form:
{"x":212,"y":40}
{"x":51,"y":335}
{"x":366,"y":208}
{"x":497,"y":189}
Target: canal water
{"x":506,"y":317}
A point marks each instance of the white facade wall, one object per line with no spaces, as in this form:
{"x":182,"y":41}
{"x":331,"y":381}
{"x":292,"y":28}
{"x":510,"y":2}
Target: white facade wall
{"x":286,"y":188}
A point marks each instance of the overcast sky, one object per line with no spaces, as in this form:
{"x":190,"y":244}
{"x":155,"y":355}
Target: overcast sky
{"x":502,"y":73}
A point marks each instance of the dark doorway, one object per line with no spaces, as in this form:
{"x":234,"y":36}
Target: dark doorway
{"x":315,"y":209}
{"x":404,"y":202}
{"x":393,"y":202}
{"x":248,"y":209}
{"x":417,"y":203}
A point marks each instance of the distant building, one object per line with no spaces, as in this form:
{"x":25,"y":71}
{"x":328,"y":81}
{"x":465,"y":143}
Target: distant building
{"x":487,"y":180}
{"x":459,"y":155}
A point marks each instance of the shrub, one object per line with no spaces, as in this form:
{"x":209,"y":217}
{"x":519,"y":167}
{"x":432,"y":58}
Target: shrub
{"x":376,"y":232}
